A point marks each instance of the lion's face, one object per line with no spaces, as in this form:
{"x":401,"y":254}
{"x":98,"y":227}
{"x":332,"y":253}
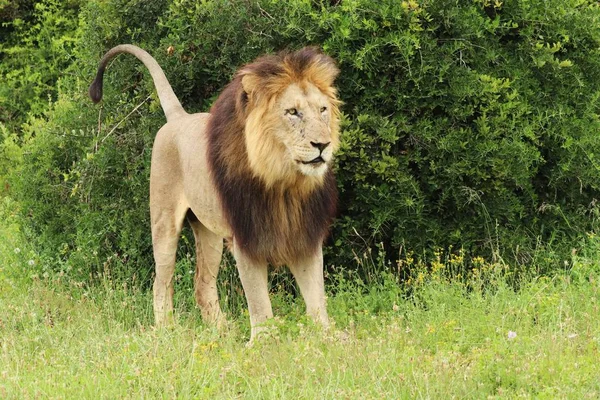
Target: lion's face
{"x":305,"y":129}
{"x":295,"y":135}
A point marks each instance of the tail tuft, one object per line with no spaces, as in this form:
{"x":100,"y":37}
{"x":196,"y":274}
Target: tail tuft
{"x":95,"y":90}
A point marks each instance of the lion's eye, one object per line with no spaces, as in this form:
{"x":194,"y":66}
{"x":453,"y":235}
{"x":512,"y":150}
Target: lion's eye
{"x":323,"y":109}
{"x":292,"y":111}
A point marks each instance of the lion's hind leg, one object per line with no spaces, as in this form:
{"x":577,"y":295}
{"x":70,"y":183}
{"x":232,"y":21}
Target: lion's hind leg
{"x":166,"y":227}
{"x":209,"y":250}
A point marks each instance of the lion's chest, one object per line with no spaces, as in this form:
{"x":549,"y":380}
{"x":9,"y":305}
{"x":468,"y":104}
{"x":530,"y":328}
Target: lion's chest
{"x":279,"y":227}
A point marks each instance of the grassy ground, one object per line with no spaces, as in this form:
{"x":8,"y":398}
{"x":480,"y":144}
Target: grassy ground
{"x":448,"y":338}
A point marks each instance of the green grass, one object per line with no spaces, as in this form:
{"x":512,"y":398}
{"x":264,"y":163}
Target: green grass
{"x":440,"y":336}
{"x":448,"y":339}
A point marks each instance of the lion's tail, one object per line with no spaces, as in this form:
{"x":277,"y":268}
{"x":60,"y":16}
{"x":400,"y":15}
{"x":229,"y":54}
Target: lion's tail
{"x":169,"y":102}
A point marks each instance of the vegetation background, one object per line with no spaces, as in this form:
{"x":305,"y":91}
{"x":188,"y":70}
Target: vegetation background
{"x":466,"y":124}
{"x":469,"y":168}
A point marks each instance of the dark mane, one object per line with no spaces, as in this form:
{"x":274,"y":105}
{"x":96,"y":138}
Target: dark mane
{"x":278,"y":224}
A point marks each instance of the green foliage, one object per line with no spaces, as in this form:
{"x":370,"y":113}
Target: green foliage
{"x":37,"y":44}
{"x":466,"y":124}
{"x":448,"y":339}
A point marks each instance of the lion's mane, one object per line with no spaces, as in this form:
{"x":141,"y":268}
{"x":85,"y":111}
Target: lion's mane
{"x":283,"y":221}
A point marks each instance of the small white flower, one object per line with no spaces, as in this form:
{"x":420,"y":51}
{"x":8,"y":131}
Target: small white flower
{"x":512,"y":335}
{"x":31,"y":263}
{"x":17,"y":250}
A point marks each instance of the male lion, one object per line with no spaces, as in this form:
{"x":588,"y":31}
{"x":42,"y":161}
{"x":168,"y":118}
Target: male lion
{"x":255,"y":171}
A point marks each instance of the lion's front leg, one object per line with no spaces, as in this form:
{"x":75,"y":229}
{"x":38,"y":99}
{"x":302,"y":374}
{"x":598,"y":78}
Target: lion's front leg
{"x":309,"y":275}
{"x":254,"y":280}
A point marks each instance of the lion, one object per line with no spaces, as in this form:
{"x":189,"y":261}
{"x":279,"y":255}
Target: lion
{"x":255,"y":172}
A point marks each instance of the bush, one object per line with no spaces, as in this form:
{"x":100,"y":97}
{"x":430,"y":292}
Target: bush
{"x":38,"y":38}
{"x":466,"y":124}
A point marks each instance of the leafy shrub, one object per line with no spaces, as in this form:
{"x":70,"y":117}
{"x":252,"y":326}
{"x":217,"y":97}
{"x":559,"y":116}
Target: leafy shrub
{"x":466,"y":124}
{"x":38,"y":38}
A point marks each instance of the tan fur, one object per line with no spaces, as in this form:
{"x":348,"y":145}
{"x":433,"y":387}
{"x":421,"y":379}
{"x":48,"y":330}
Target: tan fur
{"x":271,"y":151}
{"x":266,"y":148}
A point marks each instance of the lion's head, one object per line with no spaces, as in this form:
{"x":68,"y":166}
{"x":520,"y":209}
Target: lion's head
{"x":272,"y":133}
{"x":292,"y":123}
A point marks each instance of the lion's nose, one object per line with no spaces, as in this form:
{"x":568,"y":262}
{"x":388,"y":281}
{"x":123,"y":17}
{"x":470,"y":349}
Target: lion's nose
{"x":320,"y":146}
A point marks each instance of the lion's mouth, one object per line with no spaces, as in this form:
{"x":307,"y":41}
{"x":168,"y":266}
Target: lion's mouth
{"x":315,"y":161}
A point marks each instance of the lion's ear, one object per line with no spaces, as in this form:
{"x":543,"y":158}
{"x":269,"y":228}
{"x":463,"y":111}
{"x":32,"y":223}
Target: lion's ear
{"x":250,"y":82}
{"x":323,"y":71}
{"x":241,"y":102}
